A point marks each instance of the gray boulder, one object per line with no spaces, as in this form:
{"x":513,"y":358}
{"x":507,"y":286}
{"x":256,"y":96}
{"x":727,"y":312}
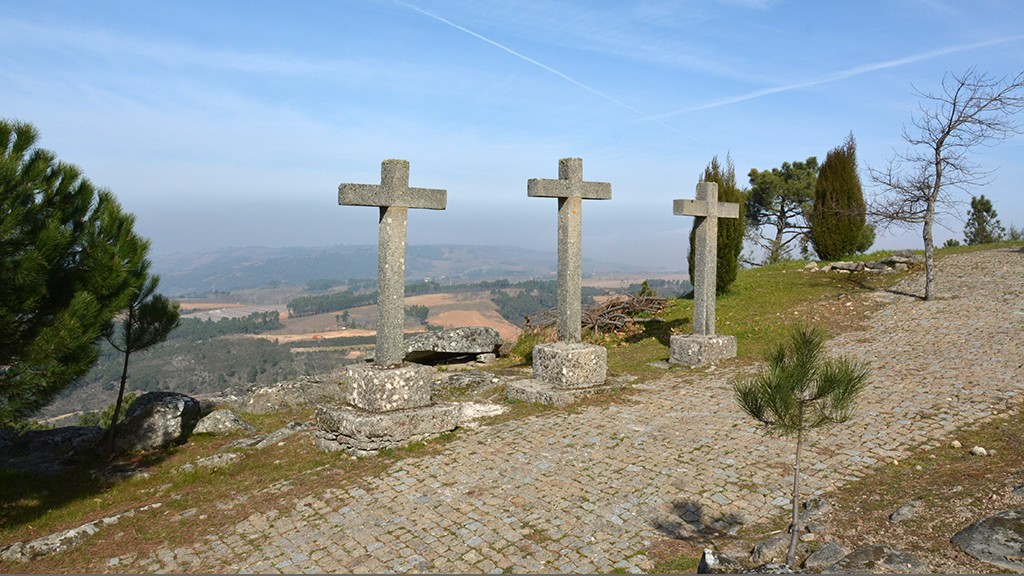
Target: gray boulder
{"x":452,"y":344}
{"x":824,"y":557}
{"x":291,"y":394}
{"x":156,"y":420}
{"x":848,"y":266}
{"x":718,"y":563}
{"x":224,"y":421}
{"x":879,"y":558}
{"x":905,"y":512}
{"x":773,"y":549}
{"x":996,"y":540}
{"x":813,"y":508}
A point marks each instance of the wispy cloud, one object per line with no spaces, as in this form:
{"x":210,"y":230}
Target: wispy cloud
{"x":545,"y":67}
{"x":77,"y":40}
{"x":841,"y":75}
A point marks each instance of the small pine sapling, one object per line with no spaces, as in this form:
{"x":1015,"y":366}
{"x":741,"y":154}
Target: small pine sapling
{"x":799,"y":391}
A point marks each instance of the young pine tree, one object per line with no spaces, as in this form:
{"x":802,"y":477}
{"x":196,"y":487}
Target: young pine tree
{"x":149,"y":319}
{"x":730,"y":230}
{"x":838,"y":221}
{"x":800,"y":391}
{"x":982,"y":226}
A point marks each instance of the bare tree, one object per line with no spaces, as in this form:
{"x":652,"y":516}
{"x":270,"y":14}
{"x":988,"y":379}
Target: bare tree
{"x":973,"y":109}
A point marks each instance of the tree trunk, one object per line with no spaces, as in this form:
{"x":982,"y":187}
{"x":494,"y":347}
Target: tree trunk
{"x":112,"y":431}
{"x":795,"y":524}
{"x":776,"y":254}
{"x":929,"y":252}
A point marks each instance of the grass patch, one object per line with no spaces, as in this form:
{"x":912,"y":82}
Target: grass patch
{"x":760,"y":309}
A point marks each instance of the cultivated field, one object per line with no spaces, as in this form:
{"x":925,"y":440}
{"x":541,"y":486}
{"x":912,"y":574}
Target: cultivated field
{"x":450,"y":310}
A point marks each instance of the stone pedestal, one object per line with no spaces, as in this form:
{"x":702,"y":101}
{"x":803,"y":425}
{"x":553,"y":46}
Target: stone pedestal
{"x":562,"y":373}
{"x":377,"y":389}
{"x":388,"y":408}
{"x":363,"y":433}
{"x":694,"y":350}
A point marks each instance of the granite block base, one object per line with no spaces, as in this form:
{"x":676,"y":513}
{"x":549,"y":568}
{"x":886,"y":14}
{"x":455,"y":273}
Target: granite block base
{"x":540,"y":392}
{"x":570,"y":365}
{"x":379,"y":389}
{"x":695,"y":350}
{"x":363,"y":433}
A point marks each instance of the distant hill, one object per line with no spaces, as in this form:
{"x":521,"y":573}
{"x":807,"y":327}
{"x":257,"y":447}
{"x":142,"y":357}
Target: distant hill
{"x":230,"y":269}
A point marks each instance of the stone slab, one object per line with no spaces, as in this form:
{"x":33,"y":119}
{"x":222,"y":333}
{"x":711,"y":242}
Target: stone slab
{"x":996,"y":540}
{"x":695,"y":350}
{"x":535,"y":391}
{"x":570,"y":364}
{"x":438,"y":345}
{"x":379,"y":389}
{"x":363,"y":433}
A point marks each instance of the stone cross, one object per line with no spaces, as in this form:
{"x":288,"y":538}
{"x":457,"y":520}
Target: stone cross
{"x":570,"y":189}
{"x":394,"y":197}
{"x":707,"y":209}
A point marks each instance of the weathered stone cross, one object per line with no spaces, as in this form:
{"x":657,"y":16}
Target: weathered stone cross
{"x":394,"y":198}
{"x":707,"y":209}
{"x":570,"y":189}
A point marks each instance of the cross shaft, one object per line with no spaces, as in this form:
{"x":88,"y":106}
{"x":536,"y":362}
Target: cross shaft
{"x":707,"y":209}
{"x":393,"y":197}
{"x":571,"y":190}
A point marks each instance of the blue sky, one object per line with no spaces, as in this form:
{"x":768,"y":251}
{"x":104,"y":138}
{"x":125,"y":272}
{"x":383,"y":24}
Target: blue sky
{"x":232,"y":123}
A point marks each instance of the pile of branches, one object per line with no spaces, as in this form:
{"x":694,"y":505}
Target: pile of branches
{"x":613,"y":315}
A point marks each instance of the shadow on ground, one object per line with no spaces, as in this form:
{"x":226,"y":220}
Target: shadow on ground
{"x":690,"y":519}
{"x":25,"y":497}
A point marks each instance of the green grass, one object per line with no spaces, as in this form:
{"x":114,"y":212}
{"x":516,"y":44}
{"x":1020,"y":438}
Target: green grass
{"x":760,"y":308}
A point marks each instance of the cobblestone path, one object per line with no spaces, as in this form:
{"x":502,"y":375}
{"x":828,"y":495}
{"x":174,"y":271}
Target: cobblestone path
{"x":589,"y":491}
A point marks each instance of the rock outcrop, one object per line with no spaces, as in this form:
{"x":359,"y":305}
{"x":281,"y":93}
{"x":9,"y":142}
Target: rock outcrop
{"x":223,"y":421}
{"x":996,"y":540}
{"x":900,"y":261}
{"x":452,"y":344}
{"x":305,"y":392}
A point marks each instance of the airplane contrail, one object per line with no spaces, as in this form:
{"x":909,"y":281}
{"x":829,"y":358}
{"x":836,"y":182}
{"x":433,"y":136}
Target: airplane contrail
{"x":836,"y":76}
{"x":543,"y":66}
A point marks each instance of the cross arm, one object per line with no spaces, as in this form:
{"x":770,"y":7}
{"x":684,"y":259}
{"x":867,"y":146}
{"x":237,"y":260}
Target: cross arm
{"x":548,"y":188}
{"x":703,"y":208}
{"x":372,"y":195}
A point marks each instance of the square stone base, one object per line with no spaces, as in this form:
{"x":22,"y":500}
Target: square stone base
{"x":570,"y":365}
{"x":544,"y":393}
{"x":363,"y":433}
{"x":379,"y":389}
{"x":695,"y":350}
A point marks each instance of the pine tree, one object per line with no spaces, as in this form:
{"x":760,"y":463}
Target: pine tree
{"x":982,"y":226}
{"x":68,"y":264}
{"x":797,"y":392}
{"x":838,"y":221}
{"x":150,"y":317}
{"x":730,"y":230}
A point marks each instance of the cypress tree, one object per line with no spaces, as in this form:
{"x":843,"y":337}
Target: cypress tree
{"x":838,"y":221}
{"x":730,"y":230}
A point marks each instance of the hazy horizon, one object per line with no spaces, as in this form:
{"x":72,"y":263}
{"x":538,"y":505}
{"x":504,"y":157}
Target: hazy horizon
{"x":233,"y":124}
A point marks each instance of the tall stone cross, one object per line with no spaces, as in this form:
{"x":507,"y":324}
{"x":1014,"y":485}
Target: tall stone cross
{"x":707,"y":209}
{"x":570,"y":189}
{"x":394,"y":197}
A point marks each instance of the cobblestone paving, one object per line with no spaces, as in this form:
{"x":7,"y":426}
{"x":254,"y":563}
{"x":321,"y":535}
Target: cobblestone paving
{"x":589,"y":491}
